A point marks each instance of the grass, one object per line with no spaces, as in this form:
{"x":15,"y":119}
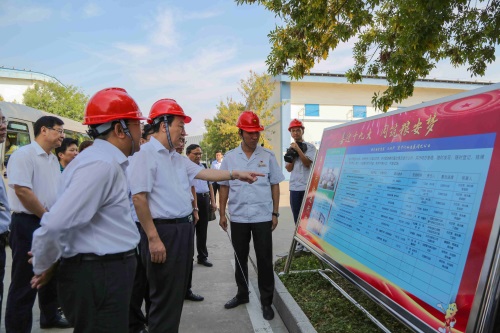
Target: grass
{"x":327,"y":310}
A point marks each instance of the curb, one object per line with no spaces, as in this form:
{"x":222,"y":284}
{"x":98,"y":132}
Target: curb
{"x":290,"y":312}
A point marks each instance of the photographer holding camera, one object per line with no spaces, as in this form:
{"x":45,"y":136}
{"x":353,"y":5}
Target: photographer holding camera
{"x":299,"y":158}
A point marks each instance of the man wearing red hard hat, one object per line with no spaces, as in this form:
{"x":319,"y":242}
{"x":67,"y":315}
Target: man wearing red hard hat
{"x":253,"y":211}
{"x":158,"y":179}
{"x":90,"y":226}
{"x":299,"y":158}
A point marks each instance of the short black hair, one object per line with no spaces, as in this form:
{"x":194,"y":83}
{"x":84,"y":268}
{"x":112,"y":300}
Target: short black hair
{"x":218,"y":151}
{"x":64,"y":146}
{"x":46,"y":121}
{"x":147,"y":130}
{"x":85,"y":144}
{"x":155,"y":127}
{"x":191,"y":147}
{"x":95,"y":132}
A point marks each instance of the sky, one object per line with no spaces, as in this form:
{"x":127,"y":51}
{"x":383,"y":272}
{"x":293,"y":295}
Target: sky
{"x":194,"y":51}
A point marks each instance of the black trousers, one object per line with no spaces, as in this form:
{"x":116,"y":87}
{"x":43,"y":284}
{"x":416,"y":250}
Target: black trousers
{"x":201,"y":233}
{"x":140,"y":292}
{"x":168,"y":281}
{"x":3,"y":243}
{"x":21,"y":297}
{"x":202,"y":226}
{"x":296,"y":198}
{"x":216,"y":188}
{"x":241,"y":233}
{"x":95,"y":295}
{"x":190,"y":279}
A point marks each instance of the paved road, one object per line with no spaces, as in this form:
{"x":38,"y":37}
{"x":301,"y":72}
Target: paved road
{"x":217,"y":285}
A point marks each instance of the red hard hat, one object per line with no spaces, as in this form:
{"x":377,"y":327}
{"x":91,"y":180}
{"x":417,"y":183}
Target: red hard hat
{"x":249,"y":122}
{"x":167,"y":106}
{"x":295,"y":123}
{"x":111,"y":104}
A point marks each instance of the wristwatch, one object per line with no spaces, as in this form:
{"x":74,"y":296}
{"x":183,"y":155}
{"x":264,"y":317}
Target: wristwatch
{"x":276,"y":214}
{"x":195,"y":208}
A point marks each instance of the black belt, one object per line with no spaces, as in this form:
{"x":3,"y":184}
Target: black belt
{"x":187,"y":219}
{"x":22,"y":213}
{"x":94,"y":257}
{"x":206,"y":194}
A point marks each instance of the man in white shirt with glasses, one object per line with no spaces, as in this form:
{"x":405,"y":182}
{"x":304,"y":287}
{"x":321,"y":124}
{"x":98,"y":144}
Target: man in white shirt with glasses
{"x":34,"y":175}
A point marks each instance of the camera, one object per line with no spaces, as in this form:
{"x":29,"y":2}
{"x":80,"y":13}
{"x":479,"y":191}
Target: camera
{"x":291,"y":154}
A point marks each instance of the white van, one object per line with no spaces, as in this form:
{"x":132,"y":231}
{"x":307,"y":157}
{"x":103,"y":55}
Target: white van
{"x":20,"y":128}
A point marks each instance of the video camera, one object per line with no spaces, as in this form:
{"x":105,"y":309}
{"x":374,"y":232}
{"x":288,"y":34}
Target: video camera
{"x":291,"y":153}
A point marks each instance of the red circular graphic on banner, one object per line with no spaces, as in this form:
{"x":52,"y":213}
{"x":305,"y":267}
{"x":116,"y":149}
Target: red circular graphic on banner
{"x":479,"y":103}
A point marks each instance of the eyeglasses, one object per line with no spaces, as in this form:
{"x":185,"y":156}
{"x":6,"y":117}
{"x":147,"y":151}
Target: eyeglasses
{"x":197,"y":154}
{"x":58,"y":130}
{"x":4,"y":121}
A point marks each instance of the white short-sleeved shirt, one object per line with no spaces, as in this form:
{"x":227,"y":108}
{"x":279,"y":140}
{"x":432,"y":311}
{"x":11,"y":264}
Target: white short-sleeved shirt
{"x":30,"y":166}
{"x":250,"y":203}
{"x":181,"y":173}
{"x":191,"y":184}
{"x":133,"y":213}
{"x":215,"y":165}
{"x":92,"y":213}
{"x":166,"y":177}
{"x":300,"y":174}
{"x":4,"y":209}
{"x":200,"y":185}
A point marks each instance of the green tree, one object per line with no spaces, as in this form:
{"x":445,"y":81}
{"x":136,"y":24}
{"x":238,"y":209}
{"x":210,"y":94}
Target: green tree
{"x":55,"y":98}
{"x":1,"y":98}
{"x":256,"y":90}
{"x":399,"y":39}
{"x":222,"y":133}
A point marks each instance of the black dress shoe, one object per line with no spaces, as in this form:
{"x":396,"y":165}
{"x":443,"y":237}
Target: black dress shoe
{"x":267,"y":312}
{"x":234,"y":302}
{"x":194,"y":297}
{"x":205,"y":263}
{"x":60,"y":322}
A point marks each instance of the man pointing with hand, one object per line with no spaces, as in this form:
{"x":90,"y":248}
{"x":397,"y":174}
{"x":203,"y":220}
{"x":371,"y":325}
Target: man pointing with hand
{"x":253,"y":209}
{"x":157,"y":177}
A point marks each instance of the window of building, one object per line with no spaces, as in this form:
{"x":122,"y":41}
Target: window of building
{"x":359,"y":111}
{"x":312,"y":110}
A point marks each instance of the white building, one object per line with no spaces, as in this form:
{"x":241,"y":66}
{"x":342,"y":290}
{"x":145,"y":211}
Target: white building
{"x":326,"y":100}
{"x":14,"y":82}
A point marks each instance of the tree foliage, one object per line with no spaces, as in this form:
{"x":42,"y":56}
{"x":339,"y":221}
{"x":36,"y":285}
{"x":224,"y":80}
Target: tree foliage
{"x":1,"y":98}
{"x":222,"y":133}
{"x":55,"y":98}
{"x":399,"y":39}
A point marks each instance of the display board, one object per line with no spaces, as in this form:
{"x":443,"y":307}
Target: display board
{"x":404,"y":205}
